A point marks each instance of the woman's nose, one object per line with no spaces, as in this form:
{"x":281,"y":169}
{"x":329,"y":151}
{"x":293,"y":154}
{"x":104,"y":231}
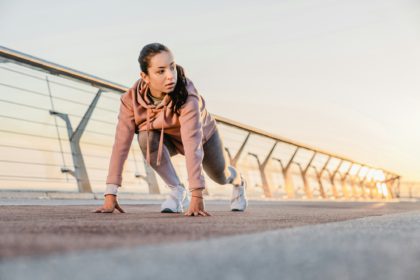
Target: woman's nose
{"x":172,"y":75}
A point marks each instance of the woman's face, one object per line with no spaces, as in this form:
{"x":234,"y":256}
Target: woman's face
{"x":162,"y":75}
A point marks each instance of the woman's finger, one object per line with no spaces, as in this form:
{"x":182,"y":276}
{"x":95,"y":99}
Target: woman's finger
{"x":191,"y":214}
{"x":208,"y":214}
{"x":203,"y":213}
{"x":109,"y":210}
{"x":119,"y":208}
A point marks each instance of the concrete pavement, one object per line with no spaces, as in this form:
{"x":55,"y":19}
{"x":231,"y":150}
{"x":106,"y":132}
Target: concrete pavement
{"x":290,"y":240}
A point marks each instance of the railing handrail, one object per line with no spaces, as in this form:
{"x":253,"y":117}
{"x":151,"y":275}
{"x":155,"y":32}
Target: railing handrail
{"x":59,"y":70}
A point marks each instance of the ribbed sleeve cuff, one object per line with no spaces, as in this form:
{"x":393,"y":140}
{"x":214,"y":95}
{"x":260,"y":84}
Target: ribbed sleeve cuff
{"x":111,"y":189}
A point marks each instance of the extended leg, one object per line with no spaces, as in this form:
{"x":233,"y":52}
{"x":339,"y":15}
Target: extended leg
{"x":216,"y":167}
{"x":215,"y":162}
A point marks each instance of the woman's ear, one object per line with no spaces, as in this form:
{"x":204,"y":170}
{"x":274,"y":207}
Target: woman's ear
{"x":144,"y":77}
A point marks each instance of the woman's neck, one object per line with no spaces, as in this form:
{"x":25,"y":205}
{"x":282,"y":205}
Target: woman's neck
{"x":158,"y":95}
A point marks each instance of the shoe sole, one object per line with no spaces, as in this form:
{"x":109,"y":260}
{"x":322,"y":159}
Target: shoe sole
{"x":167,"y":210}
{"x":240,"y":210}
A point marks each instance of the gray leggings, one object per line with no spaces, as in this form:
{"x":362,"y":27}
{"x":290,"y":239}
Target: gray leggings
{"x":215,"y":161}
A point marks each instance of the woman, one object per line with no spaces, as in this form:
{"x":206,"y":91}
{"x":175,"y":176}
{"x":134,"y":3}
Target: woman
{"x":170,"y":117}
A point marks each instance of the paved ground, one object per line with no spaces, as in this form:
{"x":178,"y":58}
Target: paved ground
{"x":44,"y":229}
{"x":288,"y":239}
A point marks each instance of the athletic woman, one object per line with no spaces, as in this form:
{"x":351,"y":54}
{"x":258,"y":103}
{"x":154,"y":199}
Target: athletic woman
{"x":164,"y":108}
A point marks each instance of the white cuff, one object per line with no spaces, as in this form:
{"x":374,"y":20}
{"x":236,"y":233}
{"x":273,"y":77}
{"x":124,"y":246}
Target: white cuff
{"x":111,"y":189}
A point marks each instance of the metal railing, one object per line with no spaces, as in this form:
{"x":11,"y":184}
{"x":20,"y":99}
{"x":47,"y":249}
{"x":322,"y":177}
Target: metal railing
{"x":59,"y":96}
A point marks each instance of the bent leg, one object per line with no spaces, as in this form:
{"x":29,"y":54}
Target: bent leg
{"x":166,"y":170}
{"x":215,"y":162}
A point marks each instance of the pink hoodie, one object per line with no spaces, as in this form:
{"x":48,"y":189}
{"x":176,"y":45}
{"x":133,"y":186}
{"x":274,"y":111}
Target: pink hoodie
{"x":188,"y":132}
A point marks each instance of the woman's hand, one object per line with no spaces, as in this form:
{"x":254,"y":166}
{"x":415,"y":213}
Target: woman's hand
{"x":110,"y":204}
{"x":197,"y":205}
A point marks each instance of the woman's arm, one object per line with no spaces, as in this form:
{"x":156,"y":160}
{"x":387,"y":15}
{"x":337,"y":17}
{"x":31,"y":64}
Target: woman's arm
{"x":192,"y":140}
{"x":124,"y":134}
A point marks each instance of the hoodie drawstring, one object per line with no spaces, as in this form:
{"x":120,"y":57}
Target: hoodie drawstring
{"x":147,"y":128}
{"x":160,"y":149}
{"x":142,"y":89}
{"x":159,"y":156}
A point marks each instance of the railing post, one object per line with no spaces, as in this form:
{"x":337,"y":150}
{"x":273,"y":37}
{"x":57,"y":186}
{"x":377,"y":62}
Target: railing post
{"x":261,"y":167}
{"x":288,"y":180}
{"x":353,"y":178}
{"x":80,"y":172}
{"x":303,"y":172}
{"x":150,"y":178}
{"x":234,"y":160}
{"x":390,"y":182}
{"x":344,"y":182}
{"x":319,"y":177}
{"x":332,"y":179}
{"x":362,"y":185}
{"x":373,"y":187}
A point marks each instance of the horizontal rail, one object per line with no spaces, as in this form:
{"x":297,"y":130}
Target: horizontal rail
{"x":59,"y":70}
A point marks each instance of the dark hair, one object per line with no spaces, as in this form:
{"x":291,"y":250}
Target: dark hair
{"x":179,"y":94}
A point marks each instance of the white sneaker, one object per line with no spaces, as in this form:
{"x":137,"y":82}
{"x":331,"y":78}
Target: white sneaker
{"x":239,"y":201}
{"x":176,"y":201}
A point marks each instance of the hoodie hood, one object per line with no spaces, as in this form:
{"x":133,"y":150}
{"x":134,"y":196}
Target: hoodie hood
{"x":151,"y":113}
{"x":142,"y":98}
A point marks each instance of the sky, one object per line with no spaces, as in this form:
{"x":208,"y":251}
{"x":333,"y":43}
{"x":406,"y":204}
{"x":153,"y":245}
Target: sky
{"x":341,"y":76}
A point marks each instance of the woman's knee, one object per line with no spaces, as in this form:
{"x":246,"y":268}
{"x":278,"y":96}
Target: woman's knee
{"x":154,"y":138}
{"x":153,"y":141}
{"x":223,"y":176}
{"x":218,"y":174}
{"x":221,"y":180}
{"x":215,"y":162}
